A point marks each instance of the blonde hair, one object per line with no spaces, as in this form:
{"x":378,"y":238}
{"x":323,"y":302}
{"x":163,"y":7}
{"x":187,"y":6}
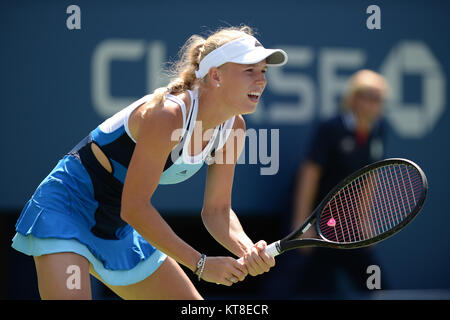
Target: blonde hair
{"x":361,"y":80}
{"x":182,"y":72}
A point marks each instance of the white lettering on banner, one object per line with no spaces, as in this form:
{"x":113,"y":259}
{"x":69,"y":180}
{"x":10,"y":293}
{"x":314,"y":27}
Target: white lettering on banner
{"x":123,"y":50}
{"x":331,"y":85}
{"x":156,"y":56}
{"x":292,"y":84}
{"x":410,"y":120}
{"x":414,"y":120}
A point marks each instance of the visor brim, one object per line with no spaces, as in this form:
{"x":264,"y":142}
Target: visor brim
{"x":274,"y":57}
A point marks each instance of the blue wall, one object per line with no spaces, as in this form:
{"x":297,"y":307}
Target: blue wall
{"x":55,"y":88}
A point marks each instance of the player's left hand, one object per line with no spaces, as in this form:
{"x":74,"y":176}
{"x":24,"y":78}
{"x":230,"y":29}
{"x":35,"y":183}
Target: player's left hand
{"x":257,"y":260}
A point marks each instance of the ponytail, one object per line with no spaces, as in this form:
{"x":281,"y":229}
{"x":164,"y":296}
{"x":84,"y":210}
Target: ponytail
{"x":183,"y":72}
{"x":193,"y":51}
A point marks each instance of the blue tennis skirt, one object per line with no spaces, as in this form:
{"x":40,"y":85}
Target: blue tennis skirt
{"x":59,"y":217}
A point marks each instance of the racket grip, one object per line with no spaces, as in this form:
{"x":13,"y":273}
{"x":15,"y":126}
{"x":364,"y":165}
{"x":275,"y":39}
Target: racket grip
{"x":271,"y":250}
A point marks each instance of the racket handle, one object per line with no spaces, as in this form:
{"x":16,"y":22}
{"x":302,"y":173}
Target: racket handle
{"x":272,"y":250}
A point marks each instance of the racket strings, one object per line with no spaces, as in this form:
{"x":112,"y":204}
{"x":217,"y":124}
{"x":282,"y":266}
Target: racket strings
{"x":371,"y":204}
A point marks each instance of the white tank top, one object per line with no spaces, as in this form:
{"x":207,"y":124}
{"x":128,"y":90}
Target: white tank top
{"x":179,"y":165}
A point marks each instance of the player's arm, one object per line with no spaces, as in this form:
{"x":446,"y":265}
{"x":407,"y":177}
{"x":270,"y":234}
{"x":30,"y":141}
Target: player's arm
{"x":217,"y":214}
{"x":218,"y":217}
{"x":154,"y":143}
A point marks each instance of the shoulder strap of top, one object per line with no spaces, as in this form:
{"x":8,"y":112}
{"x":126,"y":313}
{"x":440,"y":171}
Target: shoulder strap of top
{"x":225,"y":131}
{"x":182,"y":106}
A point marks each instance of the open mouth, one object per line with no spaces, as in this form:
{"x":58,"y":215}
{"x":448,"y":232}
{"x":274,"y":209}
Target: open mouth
{"x":254,"y":96}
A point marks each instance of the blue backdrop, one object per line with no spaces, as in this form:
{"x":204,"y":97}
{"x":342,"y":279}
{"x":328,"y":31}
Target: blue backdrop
{"x":57,"y":84}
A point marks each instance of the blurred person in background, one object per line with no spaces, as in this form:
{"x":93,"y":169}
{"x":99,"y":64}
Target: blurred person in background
{"x":355,"y":137}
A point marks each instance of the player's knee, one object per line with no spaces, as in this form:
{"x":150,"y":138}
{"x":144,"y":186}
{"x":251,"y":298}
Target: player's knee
{"x":64,"y":294}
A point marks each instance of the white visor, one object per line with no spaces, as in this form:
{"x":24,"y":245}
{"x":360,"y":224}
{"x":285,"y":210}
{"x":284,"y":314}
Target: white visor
{"x":245,"y":50}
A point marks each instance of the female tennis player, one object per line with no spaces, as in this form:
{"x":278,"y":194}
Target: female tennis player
{"x":93,"y":212}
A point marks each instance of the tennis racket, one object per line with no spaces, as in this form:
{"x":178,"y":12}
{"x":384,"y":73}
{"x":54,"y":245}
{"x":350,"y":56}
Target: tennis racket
{"x":370,"y":205}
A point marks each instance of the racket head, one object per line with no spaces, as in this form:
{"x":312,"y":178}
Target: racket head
{"x":382,"y":198}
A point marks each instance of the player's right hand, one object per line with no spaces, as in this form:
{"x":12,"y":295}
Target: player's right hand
{"x":223,"y":270}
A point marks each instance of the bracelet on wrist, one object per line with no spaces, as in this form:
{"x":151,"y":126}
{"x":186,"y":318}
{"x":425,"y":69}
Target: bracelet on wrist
{"x":200,"y":266}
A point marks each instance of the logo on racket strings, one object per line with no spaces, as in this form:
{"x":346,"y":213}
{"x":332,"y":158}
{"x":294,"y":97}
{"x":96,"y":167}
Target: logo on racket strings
{"x":331,"y":223}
